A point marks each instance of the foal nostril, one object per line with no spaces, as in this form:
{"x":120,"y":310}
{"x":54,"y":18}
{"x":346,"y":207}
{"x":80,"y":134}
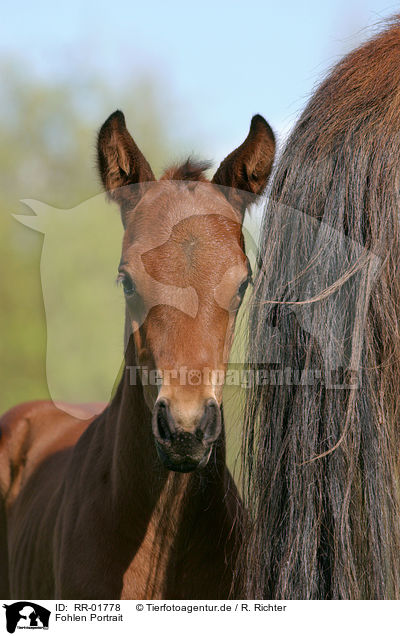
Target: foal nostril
{"x":163,"y":423}
{"x":210,"y":425}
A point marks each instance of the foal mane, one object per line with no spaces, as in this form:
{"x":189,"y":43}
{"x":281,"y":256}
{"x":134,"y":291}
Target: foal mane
{"x":321,"y":462}
{"x":189,"y":170}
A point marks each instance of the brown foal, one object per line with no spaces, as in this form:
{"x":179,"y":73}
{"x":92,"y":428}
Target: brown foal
{"x":137,"y":502}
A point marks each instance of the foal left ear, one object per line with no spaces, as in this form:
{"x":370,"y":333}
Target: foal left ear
{"x":246,"y":170}
{"x":121,"y":164}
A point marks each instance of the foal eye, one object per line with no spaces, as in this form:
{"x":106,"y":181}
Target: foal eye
{"x":127,"y":284}
{"x":242,"y":287}
{"x":241,"y":290}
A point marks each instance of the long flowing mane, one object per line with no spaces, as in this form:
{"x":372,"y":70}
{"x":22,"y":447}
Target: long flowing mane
{"x":321,"y":455}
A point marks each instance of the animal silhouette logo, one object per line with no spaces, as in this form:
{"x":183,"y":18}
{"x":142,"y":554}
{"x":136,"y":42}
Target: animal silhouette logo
{"x":84,"y":308}
{"x":26,"y":615}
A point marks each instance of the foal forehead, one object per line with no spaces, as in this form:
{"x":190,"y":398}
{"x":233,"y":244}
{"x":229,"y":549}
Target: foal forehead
{"x":166,"y":203}
{"x":198,"y":251}
{"x":182,"y":237}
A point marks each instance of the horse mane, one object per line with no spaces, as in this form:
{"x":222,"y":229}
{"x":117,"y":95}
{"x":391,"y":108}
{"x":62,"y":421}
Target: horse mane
{"x":189,"y":170}
{"x":321,"y":458}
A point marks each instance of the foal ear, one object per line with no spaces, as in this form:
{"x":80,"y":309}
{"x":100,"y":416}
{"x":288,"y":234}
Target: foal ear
{"x":246,"y":170}
{"x":120,"y":161}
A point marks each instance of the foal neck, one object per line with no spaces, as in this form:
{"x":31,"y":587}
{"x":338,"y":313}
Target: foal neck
{"x":137,"y":473}
{"x":168,"y":524}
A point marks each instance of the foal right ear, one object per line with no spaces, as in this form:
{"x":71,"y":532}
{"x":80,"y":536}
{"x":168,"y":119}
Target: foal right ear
{"x":120,"y":162}
{"x":245,"y":172}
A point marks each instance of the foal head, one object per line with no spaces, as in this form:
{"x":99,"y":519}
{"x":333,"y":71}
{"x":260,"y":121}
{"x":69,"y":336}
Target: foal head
{"x":184,"y":273}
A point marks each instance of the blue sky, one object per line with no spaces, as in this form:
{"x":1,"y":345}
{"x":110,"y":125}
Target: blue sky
{"x":223,"y":61}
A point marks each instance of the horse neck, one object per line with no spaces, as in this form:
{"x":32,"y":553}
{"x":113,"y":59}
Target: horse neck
{"x":138,"y":478}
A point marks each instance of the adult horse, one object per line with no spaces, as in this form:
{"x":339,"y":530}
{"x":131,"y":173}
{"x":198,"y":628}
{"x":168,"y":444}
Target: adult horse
{"x":138,"y":502}
{"x":322,"y":478}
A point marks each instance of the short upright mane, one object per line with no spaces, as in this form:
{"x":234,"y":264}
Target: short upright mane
{"x":190,"y":170}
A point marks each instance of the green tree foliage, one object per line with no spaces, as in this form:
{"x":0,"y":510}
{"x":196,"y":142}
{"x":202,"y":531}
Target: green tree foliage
{"x":47,"y":153}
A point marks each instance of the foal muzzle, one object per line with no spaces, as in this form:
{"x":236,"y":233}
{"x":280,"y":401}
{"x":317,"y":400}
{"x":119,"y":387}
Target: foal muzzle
{"x":181,"y":450}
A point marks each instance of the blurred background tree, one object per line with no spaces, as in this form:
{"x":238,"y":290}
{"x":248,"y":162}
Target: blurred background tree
{"x":47,"y":152}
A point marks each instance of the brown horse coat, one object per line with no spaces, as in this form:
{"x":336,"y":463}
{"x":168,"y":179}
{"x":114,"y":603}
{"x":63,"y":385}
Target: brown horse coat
{"x":87,"y":508}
